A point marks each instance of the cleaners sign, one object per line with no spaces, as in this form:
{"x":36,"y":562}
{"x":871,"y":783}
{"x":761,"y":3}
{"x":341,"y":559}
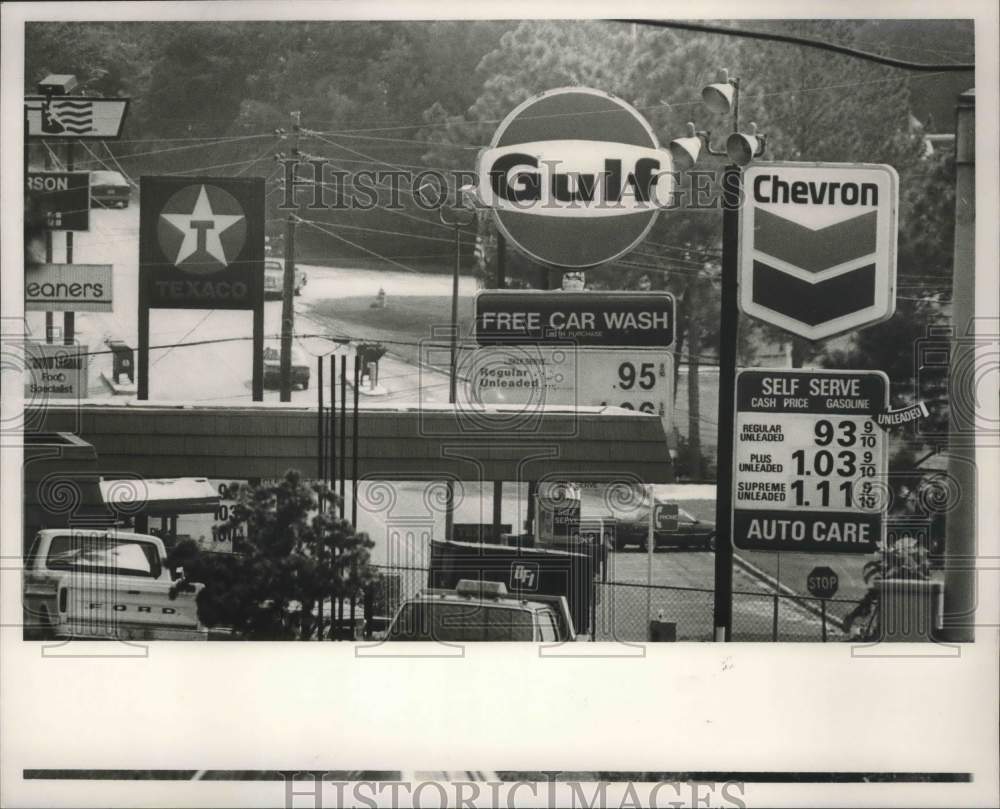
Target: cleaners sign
{"x":810,"y":460}
{"x":575,"y":177}
{"x":818,"y":246}
{"x":68,"y":287}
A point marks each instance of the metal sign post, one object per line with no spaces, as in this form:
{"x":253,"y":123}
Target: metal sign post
{"x":728,"y":336}
{"x":650,"y":549}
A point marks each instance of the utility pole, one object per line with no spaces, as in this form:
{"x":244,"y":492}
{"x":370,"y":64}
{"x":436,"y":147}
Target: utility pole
{"x":288,"y":288}
{"x":960,"y":548}
{"x":729,"y":331}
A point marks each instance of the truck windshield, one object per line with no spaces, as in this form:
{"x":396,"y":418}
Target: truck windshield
{"x":447,"y":621}
{"x":101,"y":554}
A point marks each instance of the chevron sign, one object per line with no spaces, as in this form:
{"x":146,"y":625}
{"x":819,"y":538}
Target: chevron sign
{"x":818,"y":246}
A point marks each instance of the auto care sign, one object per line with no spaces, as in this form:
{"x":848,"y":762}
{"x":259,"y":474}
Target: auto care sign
{"x":818,"y":246}
{"x":810,"y":460}
{"x":201,"y":242}
{"x":575,"y":177}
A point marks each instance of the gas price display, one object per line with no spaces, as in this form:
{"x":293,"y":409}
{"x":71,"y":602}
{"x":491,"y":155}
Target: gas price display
{"x":810,"y":460}
{"x":633,"y":378}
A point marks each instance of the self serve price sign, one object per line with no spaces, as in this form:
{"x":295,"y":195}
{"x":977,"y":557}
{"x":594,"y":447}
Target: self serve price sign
{"x":810,"y":460}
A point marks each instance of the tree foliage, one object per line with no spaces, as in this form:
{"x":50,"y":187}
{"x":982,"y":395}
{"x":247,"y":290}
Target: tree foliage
{"x":297,"y":554}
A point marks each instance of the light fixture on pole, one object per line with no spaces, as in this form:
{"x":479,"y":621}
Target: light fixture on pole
{"x":723,"y":97}
{"x":685,"y":151}
{"x":741,"y":147}
{"x":744,"y":147}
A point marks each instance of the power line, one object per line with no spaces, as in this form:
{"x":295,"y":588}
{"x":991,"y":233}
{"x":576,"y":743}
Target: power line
{"x":792,"y":39}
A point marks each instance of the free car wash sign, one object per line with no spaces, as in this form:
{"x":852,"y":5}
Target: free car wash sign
{"x":810,"y":460}
{"x":201,"y":242}
{"x":573,"y":348}
{"x":575,"y":177}
{"x":818,"y":246}
{"x":581,"y":318}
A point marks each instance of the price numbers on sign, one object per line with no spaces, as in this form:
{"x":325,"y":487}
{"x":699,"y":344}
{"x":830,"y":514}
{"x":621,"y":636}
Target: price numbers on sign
{"x":843,"y":457}
{"x":810,"y":460}
{"x":224,"y":533}
{"x":635,"y":379}
{"x":641,"y":379}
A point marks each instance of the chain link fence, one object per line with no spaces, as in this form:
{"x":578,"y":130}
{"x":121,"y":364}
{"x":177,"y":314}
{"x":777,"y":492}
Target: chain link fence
{"x":624,"y":610}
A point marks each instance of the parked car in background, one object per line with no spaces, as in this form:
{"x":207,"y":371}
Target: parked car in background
{"x":479,"y":610}
{"x":301,"y":366}
{"x":105,"y":584}
{"x":691,"y":532}
{"x":274,"y":278}
{"x":109,"y":189}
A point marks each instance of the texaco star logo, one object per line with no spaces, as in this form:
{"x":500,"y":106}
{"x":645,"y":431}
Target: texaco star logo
{"x":202,"y":229}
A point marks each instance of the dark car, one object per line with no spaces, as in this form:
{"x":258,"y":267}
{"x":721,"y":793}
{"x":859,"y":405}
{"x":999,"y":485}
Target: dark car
{"x":109,"y":189}
{"x":301,"y":367}
{"x":690,"y":532}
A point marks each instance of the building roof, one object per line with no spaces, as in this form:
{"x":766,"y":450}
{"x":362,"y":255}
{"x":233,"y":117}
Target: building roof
{"x":394,"y":443}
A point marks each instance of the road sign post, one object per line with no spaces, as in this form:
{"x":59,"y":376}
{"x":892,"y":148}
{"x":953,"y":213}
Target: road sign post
{"x":810,"y":461}
{"x":822,"y":582}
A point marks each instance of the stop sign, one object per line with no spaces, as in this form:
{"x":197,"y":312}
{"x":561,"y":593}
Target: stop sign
{"x":575,"y":177}
{"x":822,"y":582}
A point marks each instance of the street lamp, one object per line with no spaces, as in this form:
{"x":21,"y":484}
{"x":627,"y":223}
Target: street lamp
{"x":723,"y":97}
{"x":458,"y":216}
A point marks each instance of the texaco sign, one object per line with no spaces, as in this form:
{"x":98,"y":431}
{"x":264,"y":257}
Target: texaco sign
{"x":201,"y":242}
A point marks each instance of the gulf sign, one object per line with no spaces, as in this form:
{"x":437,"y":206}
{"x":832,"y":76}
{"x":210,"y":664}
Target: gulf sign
{"x":818,"y":246}
{"x":575,"y":177}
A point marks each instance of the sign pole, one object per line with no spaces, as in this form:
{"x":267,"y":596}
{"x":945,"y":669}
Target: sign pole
{"x":142,"y":386}
{"x":729,"y":331}
{"x":49,"y":316}
{"x":287,"y":312}
{"x":650,"y":543}
{"x":69,"y":318}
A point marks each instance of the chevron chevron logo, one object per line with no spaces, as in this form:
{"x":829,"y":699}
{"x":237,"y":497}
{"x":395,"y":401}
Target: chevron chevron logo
{"x":818,"y":246}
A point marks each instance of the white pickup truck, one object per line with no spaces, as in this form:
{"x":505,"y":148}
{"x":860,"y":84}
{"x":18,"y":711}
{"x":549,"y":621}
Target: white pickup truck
{"x":104,"y":584}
